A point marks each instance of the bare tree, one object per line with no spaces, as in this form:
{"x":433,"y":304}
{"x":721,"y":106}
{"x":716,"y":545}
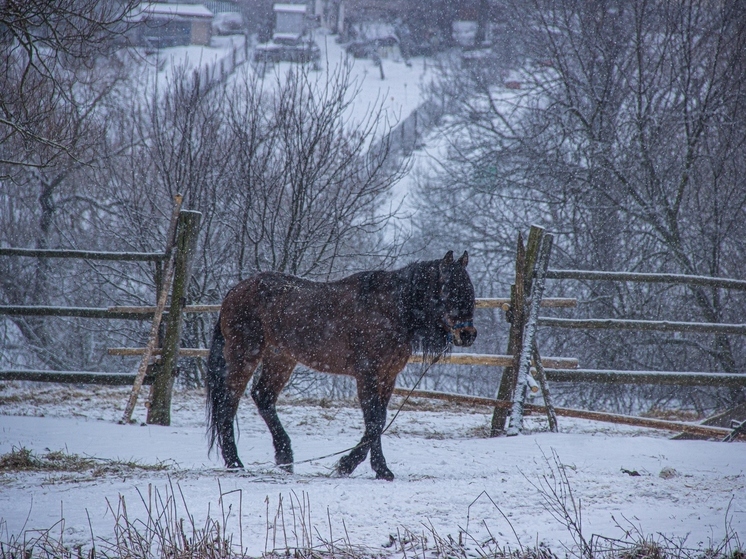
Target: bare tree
{"x":44,"y":46}
{"x":626,"y":139}
{"x":309,"y":175}
{"x":56,"y":77}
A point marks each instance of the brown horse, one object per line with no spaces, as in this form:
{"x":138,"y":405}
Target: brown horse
{"x":365,"y":326}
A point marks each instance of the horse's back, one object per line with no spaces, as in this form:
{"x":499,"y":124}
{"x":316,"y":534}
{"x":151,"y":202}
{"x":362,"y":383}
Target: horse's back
{"x":328,"y":326}
{"x":352,"y":294}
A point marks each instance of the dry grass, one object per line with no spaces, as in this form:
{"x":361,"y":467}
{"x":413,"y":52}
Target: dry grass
{"x":25,"y":460}
{"x":168,"y":530}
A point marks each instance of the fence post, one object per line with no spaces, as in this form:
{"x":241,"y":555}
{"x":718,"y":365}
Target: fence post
{"x":529,"y":337}
{"x":524,"y":266}
{"x":167,"y":278}
{"x":159,"y":410}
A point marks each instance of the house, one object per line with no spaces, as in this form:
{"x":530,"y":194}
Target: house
{"x":290,"y":40}
{"x":161,"y":24}
{"x":290,"y":22}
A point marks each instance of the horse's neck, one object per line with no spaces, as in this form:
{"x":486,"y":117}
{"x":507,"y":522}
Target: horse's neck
{"x":418,"y":279}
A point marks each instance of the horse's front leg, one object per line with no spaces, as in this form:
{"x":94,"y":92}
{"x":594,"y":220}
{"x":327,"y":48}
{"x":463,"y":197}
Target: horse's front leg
{"x":377,"y":422}
{"x":374,"y":398}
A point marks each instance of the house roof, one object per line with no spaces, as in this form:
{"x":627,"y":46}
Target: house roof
{"x":293,"y":8}
{"x":162,"y":9}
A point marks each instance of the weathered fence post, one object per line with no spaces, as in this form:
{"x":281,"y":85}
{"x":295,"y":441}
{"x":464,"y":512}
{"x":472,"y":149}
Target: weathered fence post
{"x":161,"y":296}
{"x":541,"y":377}
{"x":524,"y":266}
{"x":529,"y":337}
{"x":159,"y":410}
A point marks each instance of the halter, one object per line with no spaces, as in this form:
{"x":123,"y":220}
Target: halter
{"x":459,"y":326}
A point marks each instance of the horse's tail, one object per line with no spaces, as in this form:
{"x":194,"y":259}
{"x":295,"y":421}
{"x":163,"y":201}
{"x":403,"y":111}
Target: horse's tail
{"x":217,"y":391}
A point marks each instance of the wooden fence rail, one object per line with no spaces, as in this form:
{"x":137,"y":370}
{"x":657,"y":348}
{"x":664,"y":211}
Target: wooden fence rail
{"x":146,"y":312}
{"x":80,"y":312}
{"x":608,"y":376}
{"x":659,"y":325}
{"x":481,"y":303}
{"x":83,"y":254}
{"x":452,"y":359}
{"x":73,"y":377}
{"x":725,"y":283}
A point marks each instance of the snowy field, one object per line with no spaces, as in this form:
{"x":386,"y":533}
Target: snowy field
{"x":449,"y":475}
{"x":399,"y":93}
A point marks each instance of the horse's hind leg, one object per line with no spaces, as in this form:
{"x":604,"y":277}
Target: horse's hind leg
{"x":236,"y":384}
{"x":243,"y":353}
{"x":276,"y":371}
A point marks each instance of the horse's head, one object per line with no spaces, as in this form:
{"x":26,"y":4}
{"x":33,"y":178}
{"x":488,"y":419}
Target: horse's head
{"x":457,"y":300}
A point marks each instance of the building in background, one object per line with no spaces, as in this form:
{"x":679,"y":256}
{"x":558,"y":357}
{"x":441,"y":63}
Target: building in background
{"x":162,"y":24}
{"x":291,"y":22}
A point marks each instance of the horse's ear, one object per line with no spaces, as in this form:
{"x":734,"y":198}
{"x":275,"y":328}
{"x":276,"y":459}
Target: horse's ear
{"x":464,"y":260}
{"x":448,"y":258}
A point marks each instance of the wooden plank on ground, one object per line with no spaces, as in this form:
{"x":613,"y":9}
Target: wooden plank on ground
{"x":676,"y":426}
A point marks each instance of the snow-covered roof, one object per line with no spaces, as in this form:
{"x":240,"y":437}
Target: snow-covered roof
{"x":286,"y":36}
{"x":293,"y":8}
{"x":161,"y":9}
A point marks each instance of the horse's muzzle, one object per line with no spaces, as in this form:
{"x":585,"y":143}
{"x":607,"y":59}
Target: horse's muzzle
{"x":463,"y":334}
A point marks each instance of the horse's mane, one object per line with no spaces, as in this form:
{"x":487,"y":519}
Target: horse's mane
{"x":417,"y":300}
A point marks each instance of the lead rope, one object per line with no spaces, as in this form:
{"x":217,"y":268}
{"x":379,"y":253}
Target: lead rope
{"x":425,"y":369}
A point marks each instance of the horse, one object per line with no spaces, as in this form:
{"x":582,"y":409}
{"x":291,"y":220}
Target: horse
{"x":366,"y":326}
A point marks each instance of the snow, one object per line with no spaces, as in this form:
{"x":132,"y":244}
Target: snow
{"x":448,"y":473}
{"x":401,"y":92}
{"x":293,"y":8}
{"x":148,"y":9}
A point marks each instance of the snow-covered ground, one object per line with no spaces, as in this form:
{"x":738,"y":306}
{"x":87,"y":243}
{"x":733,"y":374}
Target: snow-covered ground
{"x":403,"y":89}
{"x":400,"y":92}
{"x":449,"y":475}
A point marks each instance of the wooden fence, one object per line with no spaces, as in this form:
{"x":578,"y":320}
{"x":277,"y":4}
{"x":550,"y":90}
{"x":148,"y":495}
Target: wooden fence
{"x":531,"y":272}
{"x":172,"y":272}
{"x":520,"y":364}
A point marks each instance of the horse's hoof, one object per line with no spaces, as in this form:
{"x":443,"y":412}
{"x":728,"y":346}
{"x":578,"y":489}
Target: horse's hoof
{"x":234,"y":465}
{"x":386,"y":475}
{"x":343,"y":469}
{"x":342,"y":472}
{"x":286,"y":467}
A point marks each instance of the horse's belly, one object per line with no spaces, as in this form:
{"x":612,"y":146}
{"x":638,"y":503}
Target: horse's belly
{"x":348,"y":353}
{"x":326,"y":362}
